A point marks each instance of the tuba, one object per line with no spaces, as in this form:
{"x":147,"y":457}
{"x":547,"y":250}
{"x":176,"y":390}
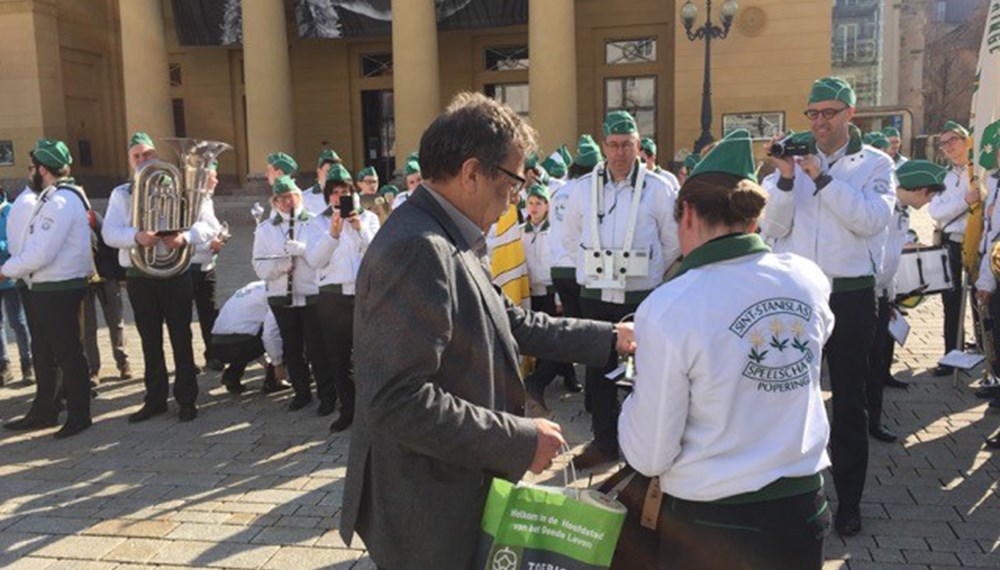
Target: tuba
{"x":167,"y":199}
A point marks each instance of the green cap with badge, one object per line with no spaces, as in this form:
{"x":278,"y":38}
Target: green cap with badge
{"x":620,"y":123}
{"x":588,"y":153}
{"x":412,"y":167}
{"x":367,"y":171}
{"x":140,"y":137}
{"x":691,"y":161}
{"x":413,"y":157}
{"x":52,"y":154}
{"x":539,"y":191}
{"x":338,"y":173}
{"x":284,"y":185}
{"x":954,"y":127}
{"x":877,"y":140}
{"x":732,"y":155}
{"x":388,"y":189}
{"x":648,"y":146}
{"x":554,"y":165}
{"x":531,"y":161}
{"x":327,"y":156}
{"x":567,"y":157}
{"x":917,"y":174}
{"x":833,"y":89}
{"x":989,"y":146}
{"x":891,"y":132}
{"x":283,"y":162}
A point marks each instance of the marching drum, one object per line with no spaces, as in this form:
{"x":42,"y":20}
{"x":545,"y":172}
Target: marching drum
{"x":924,"y":270}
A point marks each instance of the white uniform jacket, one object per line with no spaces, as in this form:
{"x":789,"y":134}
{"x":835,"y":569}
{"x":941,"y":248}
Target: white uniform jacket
{"x":247,"y":313}
{"x":727,"y":391}
{"x":949,"y":208}
{"x":842,"y":225}
{"x":536,"y":254}
{"x":336,"y":261}
{"x":18,"y":220}
{"x":118,"y":230}
{"x":312,"y":199}
{"x":655,"y":231}
{"x":562,"y":261}
{"x":991,"y":234}
{"x":273,"y":263}
{"x":55,"y":251}
{"x":203,"y":232}
{"x":885,"y":282}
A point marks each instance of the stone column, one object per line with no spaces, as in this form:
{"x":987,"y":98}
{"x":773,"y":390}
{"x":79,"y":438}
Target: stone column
{"x":552,"y":71}
{"x":145,"y":69}
{"x":415,"y":79}
{"x":268,"y":76}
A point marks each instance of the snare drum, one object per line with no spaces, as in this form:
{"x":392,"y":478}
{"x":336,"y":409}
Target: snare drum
{"x":925,"y":270}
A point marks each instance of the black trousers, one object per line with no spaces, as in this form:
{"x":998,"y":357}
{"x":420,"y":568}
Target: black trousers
{"x":336,"y":315}
{"x":546,"y":370}
{"x":569,"y":293}
{"x":784,"y":534}
{"x":880,"y":360}
{"x":32,"y":320}
{"x":57,"y":345}
{"x":602,"y":394}
{"x":952,"y":299}
{"x":847,"y":353}
{"x":302,"y":342}
{"x":155,"y":301}
{"x":237,"y":355}
{"x":204,"y":302}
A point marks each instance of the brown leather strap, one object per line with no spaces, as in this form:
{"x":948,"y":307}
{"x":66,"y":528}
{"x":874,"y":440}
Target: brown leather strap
{"x":651,"y":506}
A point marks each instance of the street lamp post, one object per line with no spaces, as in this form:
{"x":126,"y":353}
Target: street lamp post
{"x":708,"y":32}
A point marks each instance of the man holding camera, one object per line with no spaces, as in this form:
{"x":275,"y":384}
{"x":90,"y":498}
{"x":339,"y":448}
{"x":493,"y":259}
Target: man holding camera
{"x":833,"y":206}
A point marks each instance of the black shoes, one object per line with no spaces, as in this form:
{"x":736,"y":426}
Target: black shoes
{"x":31,"y":423}
{"x":891,"y":382}
{"x":847,"y":522}
{"x":72,"y":428}
{"x":6,"y":375}
{"x":187,"y":413}
{"x":326,"y":407}
{"x":214,"y":364}
{"x":988,"y":392}
{"x":235,"y":388}
{"x":993,"y":442}
{"x":342,"y":422}
{"x":941,"y":370}
{"x":145,"y":412}
{"x":572,"y":384}
{"x":272,"y":386}
{"x":299,"y":401}
{"x":125,"y":372}
{"x":592,"y":456}
{"x":881,"y":433}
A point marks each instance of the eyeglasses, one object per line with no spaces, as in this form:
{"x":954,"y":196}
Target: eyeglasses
{"x":521,"y":181}
{"x":619,"y":147}
{"x":948,"y":141}
{"x":813,"y":114}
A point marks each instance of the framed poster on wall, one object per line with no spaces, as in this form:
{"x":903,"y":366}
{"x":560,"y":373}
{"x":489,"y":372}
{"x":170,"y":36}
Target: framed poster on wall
{"x":6,"y":153}
{"x":762,"y":125}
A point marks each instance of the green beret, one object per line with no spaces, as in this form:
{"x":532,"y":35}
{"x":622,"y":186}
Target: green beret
{"x":140,"y":138}
{"x":539,"y":191}
{"x":619,"y":123}
{"x":691,"y":161}
{"x":567,"y":158}
{"x":531,"y":161}
{"x":214,"y":166}
{"x":989,"y":146}
{"x":915,"y":174}
{"x":283,"y":162}
{"x":52,"y":153}
{"x":891,"y":132}
{"x":877,"y":140}
{"x":953,"y":127}
{"x":554,"y":165}
{"x":284,"y":185}
{"x":541,"y":175}
{"x":649,"y":146}
{"x":732,"y":155}
{"x":388,"y":189}
{"x":413,"y":157}
{"x":412,"y":167}
{"x":338,"y":173}
{"x":327,"y":156}
{"x":367,"y":171}
{"x":588,"y":153}
{"x":833,"y":89}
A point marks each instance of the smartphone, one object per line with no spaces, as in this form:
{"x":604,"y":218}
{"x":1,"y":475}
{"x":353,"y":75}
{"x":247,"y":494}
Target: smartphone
{"x":349,"y":205}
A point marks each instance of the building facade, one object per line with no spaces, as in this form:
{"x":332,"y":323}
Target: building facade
{"x":365,"y":78}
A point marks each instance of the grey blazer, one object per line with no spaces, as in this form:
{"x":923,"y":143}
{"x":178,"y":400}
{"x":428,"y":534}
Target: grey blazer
{"x":439,"y":399}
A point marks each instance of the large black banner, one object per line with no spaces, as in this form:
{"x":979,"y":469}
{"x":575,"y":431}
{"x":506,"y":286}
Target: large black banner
{"x":215,"y":22}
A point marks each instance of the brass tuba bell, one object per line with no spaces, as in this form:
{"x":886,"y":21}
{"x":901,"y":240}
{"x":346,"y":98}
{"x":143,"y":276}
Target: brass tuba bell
{"x":167,"y":199}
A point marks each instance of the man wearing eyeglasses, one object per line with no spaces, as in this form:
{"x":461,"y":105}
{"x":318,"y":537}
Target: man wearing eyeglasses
{"x":834,"y":207}
{"x":619,"y":220}
{"x":950,"y":211}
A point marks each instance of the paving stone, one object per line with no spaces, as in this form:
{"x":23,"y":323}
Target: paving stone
{"x":80,"y":547}
{"x":224,"y":555}
{"x":313,"y":559}
{"x":132,"y":528}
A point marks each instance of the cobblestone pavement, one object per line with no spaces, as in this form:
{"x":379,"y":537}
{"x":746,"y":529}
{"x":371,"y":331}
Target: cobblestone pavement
{"x":251,"y":485}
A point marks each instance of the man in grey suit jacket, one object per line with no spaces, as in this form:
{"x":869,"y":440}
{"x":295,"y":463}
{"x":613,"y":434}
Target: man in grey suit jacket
{"x":439,"y":416}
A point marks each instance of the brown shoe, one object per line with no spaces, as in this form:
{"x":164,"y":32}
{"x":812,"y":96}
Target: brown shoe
{"x":125,"y":373}
{"x":593,"y":456}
